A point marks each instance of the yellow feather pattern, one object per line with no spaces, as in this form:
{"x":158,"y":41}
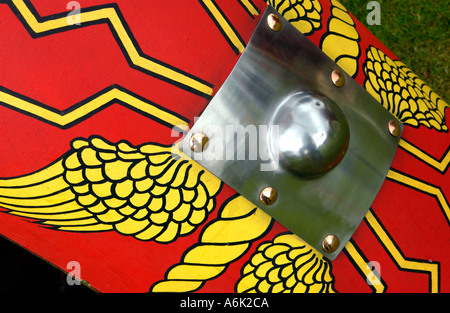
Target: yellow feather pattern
{"x":147,"y":191}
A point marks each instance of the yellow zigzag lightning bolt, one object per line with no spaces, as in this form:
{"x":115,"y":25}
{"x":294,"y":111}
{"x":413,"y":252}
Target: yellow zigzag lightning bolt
{"x":421,"y":266}
{"x":110,"y":14}
{"x":440,"y":165}
{"x":102,"y":100}
{"x":426,"y":188}
{"x":147,"y":192}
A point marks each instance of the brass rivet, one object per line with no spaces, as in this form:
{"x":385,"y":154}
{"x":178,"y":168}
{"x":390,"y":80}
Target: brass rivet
{"x":394,"y":128}
{"x":268,"y":196}
{"x":198,"y":142}
{"x":330,"y":243}
{"x":338,"y":78}
{"x":274,"y":22}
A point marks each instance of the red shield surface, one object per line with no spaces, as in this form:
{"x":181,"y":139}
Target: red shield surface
{"x":94,"y":93}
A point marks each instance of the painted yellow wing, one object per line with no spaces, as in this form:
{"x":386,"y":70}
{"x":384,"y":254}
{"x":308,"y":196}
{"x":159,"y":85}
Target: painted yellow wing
{"x":146,"y":191}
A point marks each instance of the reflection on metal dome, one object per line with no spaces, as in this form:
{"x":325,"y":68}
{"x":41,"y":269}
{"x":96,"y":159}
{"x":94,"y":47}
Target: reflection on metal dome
{"x":312,"y":134}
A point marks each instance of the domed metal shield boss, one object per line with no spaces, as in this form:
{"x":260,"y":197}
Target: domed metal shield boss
{"x":309,"y":133}
{"x":309,"y":147}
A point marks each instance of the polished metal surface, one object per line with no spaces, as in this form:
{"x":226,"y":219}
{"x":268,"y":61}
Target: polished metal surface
{"x":332,"y":158}
{"x":312,"y":134}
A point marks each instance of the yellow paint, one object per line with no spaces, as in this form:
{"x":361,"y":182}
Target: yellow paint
{"x":287,"y":264}
{"x":341,"y":41}
{"x":223,"y":241}
{"x":303,"y":15}
{"x":250,"y":7}
{"x":402,"y":92}
{"x":85,"y":193}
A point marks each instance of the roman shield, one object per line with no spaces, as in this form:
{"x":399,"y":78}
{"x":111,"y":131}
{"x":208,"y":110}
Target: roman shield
{"x":95,"y":96}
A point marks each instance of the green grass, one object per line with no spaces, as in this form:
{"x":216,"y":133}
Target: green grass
{"x":417,"y":32}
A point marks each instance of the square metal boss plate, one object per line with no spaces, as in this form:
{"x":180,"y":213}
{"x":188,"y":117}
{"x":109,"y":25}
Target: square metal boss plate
{"x":295,"y":135}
